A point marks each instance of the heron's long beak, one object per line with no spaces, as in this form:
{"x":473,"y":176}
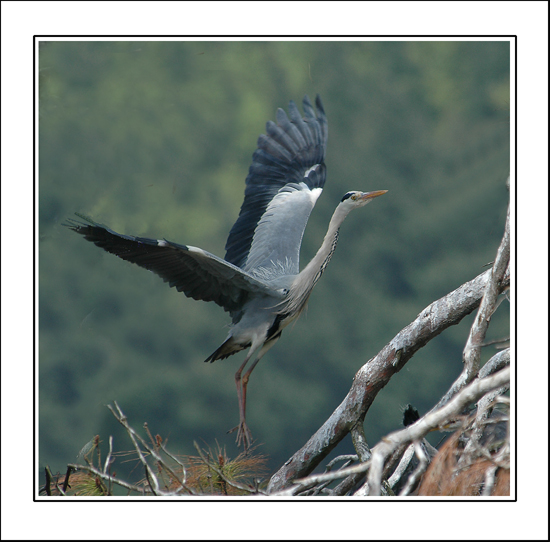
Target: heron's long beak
{"x":370,"y":195}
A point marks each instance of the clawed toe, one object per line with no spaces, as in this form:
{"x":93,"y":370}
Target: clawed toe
{"x":244,"y":436}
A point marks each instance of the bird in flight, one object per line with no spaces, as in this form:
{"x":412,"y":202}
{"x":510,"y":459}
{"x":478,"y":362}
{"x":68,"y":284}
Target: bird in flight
{"x":259,"y":281}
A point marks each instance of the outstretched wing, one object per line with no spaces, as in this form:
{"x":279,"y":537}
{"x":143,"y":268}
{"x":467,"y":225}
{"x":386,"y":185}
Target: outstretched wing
{"x":193,"y":271}
{"x":285,"y":179}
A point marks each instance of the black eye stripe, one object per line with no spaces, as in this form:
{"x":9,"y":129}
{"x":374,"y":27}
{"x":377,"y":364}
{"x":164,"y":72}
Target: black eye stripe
{"x":348,"y":195}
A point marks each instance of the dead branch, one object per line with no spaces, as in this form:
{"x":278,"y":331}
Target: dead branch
{"x":376,"y":373}
{"x":488,"y":305}
{"x":423,"y":463}
{"x":395,"y":443}
{"x":429,"y":422}
{"x":499,"y":279}
{"x":151,"y":477}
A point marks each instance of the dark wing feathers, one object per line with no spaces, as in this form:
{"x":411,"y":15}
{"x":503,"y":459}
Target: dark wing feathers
{"x":195,"y":272}
{"x":300,"y":124}
{"x":274,"y":148}
{"x":291,"y":146}
{"x":290,"y":128}
{"x":283,"y":138}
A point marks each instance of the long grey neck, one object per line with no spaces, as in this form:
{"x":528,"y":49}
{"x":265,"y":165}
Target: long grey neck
{"x":305,"y":281}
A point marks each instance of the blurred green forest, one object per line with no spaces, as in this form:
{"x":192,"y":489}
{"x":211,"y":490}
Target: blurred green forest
{"x":155,"y":139}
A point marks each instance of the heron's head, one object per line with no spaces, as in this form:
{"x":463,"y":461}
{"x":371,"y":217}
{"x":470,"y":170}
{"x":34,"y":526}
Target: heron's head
{"x":355,"y":199}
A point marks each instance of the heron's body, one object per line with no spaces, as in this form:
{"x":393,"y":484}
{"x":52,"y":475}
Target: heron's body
{"x":259,"y":282}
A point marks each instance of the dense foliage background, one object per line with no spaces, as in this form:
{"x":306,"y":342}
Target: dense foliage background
{"x":155,"y":139}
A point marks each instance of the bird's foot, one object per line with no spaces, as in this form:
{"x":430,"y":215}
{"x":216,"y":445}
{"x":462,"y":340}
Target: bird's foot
{"x":244,"y":436}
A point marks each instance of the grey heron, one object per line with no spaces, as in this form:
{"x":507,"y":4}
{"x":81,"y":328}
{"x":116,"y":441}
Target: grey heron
{"x":259,"y":282}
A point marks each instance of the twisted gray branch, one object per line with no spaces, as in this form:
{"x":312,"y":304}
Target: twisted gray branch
{"x":376,"y":373}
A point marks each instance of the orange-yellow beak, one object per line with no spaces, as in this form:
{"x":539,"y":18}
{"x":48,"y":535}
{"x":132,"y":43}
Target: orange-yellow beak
{"x":371,"y":195}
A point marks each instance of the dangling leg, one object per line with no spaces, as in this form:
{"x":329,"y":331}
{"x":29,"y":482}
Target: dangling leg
{"x":244,"y":435}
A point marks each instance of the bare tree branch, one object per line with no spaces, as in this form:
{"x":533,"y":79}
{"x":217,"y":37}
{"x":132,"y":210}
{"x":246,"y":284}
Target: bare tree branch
{"x":399,"y":472}
{"x":429,"y":422}
{"x":151,"y":477}
{"x":399,"y":440}
{"x":489,"y":481}
{"x":488,"y":305}
{"x":405,"y":469}
{"x":497,"y":283}
{"x":419,"y":471}
{"x":363,"y":451}
{"x":496,"y":363}
{"x":376,"y":373}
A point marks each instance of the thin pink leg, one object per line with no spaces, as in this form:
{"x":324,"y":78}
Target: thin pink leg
{"x":244,"y":436}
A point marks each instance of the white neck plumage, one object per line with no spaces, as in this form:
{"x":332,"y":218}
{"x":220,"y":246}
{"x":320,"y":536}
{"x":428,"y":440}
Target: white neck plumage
{"x":305,"y":281}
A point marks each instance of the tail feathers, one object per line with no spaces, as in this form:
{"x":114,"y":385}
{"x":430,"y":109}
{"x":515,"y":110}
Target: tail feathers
{"x":228,"y":348}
